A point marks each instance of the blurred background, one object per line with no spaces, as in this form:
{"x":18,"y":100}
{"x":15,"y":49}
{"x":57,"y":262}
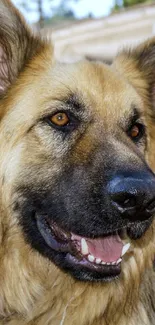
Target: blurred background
{"x":93,"y":29}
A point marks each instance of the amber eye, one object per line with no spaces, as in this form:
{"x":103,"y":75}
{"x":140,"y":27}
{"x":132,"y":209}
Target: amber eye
{"x":60,"y":119}
{"x":136,"y":131}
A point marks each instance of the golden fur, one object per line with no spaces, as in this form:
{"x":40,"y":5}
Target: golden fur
{"x":33,"y":291}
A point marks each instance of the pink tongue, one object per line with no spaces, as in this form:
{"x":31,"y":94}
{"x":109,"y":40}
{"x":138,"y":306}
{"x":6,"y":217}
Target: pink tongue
{"x":108,"y":249}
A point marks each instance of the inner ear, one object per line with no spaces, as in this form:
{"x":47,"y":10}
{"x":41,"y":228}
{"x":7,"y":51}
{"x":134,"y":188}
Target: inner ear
{"x":18,"y":44}
{"x":5,"y":72}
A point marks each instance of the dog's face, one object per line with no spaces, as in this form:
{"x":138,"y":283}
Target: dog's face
{"x":74,"y":140}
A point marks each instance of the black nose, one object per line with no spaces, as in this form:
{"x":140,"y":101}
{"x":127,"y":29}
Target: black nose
{"x":133,"y":196}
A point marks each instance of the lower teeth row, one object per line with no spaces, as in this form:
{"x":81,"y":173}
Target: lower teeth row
{"x":92,"y":259}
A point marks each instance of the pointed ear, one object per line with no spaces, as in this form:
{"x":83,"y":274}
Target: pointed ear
{"x":17,"y":44}
{"x":138,"y":65}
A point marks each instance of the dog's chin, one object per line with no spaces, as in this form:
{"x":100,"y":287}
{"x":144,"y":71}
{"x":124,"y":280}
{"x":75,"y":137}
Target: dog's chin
{"x":87,"y":259}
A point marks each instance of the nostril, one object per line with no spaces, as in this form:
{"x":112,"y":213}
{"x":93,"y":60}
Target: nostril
{"x":151,"y":207}
{"x":124,"y":200}
{"x":129,"y":203}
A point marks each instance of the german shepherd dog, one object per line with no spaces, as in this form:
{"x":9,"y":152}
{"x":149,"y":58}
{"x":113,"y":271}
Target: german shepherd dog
{"x":77,"y":188}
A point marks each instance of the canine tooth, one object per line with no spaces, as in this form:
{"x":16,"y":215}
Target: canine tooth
{"x":91,"y":258}
{"x":125,"y":248}
{"x":84,"y":247}
{"x":118,"y":261}
{"x":98,"y":261}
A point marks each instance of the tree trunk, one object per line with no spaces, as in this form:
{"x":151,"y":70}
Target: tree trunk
{"x":41,"y":15}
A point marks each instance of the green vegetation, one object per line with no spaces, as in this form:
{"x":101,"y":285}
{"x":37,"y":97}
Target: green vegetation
{"x":128,"y":3}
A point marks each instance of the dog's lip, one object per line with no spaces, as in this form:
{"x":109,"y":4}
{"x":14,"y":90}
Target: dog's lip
{"x":68,"y":243}
{"x":110,"y":271}
{"x":54,"y":236}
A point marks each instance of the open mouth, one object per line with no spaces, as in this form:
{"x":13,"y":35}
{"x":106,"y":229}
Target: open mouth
{"x":103,"y":255}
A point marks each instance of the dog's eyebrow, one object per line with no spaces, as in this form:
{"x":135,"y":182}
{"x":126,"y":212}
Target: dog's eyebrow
{"x":134,"y":116}
{"x":75,"y":102}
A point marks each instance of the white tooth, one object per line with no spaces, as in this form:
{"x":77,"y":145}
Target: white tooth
{"x":118,"y":261}
{"x":125,"y":248}
{"x":113,"y":263}
{"x":91,"y":258}
{"x":98,"y":261}
{"x":103,"y":263}
{"x":108,"y":263}
{"x":84,"y":247}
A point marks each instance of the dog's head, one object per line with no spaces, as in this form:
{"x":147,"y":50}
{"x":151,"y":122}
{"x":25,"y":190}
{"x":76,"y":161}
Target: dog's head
{"x":74,"y":142}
